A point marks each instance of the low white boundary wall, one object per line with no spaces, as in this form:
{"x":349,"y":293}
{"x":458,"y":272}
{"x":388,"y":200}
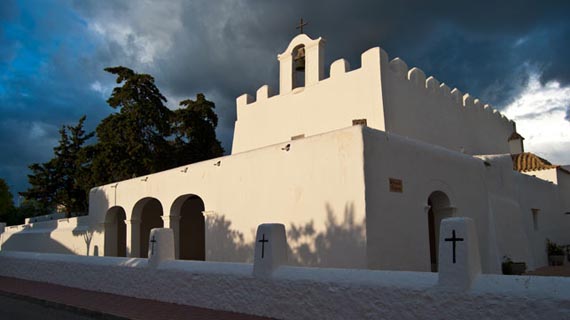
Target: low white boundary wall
{"x":300,"y":293}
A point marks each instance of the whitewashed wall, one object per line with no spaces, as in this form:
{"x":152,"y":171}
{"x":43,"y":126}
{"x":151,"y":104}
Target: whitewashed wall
{"x":301,"y":293}
{"x":548,"y":174}
{"x":327,"y":105}
{"x":430,"y":111}
{"x":77,"y":235}
{"x":397,"y":223}
{"x":333,"y":189}
{"x":552,"y":222}
{"x":390,"y":96}
{"x":563,"y":179}
{"x":319,"y":180}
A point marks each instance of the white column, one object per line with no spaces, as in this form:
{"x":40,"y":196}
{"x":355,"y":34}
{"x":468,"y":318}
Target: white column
{"x":447,"y":212}
{"x":285,"y":73}
{"x":109,"y":239}
{"x":133,"y":238}
{"x":314,"y":62}
{"x":173,"y":222}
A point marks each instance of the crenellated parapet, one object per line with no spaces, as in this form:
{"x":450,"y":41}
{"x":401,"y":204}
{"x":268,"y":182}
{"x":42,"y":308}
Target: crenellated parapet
{"x":422,"y":107}
{"x":388,"y":94}
{"x":339,"y":69}
{"x":432,"y":86}
{"x":316,"y":105}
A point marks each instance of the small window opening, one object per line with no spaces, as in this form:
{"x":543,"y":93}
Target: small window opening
{"x":535,"y":218}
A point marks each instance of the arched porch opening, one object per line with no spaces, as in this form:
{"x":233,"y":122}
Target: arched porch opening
{"x":439,"y":208}
{"x":147,"y":213}
{"x":115,"y":232}
{"x":190,"y":237}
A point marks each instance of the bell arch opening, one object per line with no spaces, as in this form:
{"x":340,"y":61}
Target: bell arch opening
{"x":191,"y":234}
{"x":299,"y":60}
{"x":115,"y":232}
{"x":148,"y":214}
{"x":439,"y":208}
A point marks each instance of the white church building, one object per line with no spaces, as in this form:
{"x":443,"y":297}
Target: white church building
{"x":360,"y":165}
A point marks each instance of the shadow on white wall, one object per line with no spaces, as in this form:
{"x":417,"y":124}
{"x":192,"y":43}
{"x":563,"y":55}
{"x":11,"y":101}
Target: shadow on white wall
{"x":341,"y":245}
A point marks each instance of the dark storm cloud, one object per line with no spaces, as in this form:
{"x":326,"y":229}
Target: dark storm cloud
{"x":42,"y":83}
{"x":226,"y":48}
{"x":231,"y":47}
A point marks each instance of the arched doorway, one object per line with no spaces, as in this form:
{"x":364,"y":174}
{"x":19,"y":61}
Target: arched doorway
{"x":115,"y":232}
{"x":148,"y":212}
{"x":439,"y":209}
{"x":191,"y":233}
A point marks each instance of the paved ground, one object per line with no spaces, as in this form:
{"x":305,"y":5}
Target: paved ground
{"x":23,"y":299}
{"x":17,"y":307}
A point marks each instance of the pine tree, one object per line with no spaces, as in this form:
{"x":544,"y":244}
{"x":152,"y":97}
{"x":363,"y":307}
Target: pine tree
{"x":62,"y":180}
{"x":42,"y":186}
{"x":195,"y":129}
{"x":133,"y":142}
{"x":71,"y":171}
{"x":6,"y":200}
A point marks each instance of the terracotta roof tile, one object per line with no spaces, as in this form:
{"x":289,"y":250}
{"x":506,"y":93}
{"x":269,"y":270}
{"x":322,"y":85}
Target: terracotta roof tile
{"x":528,"y":161}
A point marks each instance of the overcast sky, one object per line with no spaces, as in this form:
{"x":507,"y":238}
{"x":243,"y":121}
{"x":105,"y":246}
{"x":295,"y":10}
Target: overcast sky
{"x":511,"y":54}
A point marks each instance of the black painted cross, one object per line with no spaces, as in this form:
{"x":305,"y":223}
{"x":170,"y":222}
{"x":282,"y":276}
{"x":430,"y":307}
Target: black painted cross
{"x":454,"y":240}
{"x":263,"y":241}
{"x":153,"y":241}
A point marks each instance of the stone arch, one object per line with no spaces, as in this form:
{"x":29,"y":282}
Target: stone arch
{"x":190,"y":234}
{"x":438,"y":208}
{"x":115,"y":232}
{"x":147,"y":214}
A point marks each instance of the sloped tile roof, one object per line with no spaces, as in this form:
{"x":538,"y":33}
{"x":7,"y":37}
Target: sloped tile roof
{"x":528,"y":161}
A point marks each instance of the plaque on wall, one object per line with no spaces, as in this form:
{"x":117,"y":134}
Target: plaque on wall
{"x":396,"y":185}
{"x":359,"y":122}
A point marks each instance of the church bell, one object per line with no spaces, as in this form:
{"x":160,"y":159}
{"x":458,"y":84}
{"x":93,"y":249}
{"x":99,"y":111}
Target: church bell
{"x":300,"y":59}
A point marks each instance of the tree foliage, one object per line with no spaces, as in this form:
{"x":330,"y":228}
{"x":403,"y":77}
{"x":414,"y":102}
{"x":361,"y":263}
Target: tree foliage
{"x":195,"y":129}
{"x":133,"y":142}
{"x":62,"y":180}
{"x":6,"y":201}
{"x":71,"y":168}
{"x":42,"y":184}
{"x":142,"y":137}
{"x":10,"y":214}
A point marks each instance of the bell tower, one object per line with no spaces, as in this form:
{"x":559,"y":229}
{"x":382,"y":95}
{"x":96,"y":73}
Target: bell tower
{"x":291,"y":63}
{"x":308,"y":104}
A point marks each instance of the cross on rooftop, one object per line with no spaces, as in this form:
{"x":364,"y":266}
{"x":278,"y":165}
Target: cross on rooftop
{"x":301,"y":25}
{"x":263,"y":241}
{"x":454,"y":240}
